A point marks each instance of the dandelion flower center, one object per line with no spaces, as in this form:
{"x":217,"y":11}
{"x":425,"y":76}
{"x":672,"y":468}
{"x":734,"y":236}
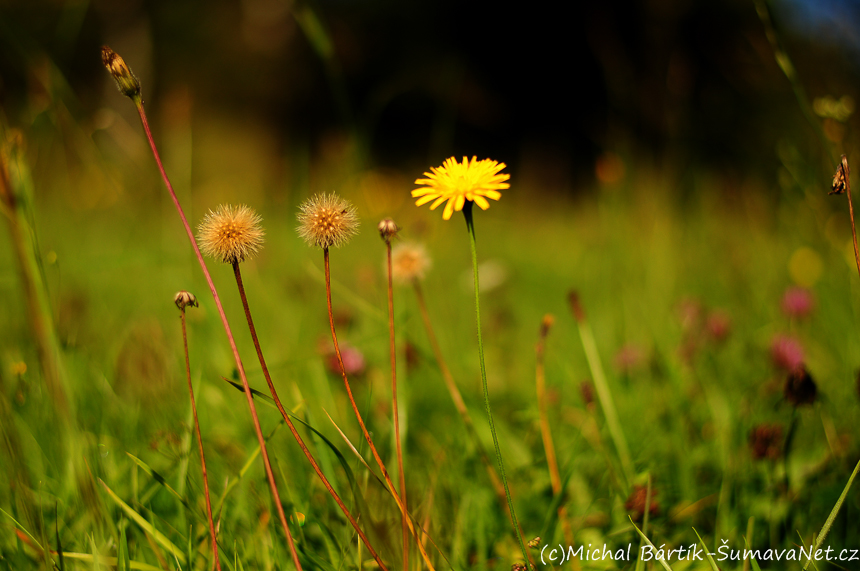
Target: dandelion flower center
{"x":455,"y":183}
{"x":327,"y":220}
{"x":231,"y":234}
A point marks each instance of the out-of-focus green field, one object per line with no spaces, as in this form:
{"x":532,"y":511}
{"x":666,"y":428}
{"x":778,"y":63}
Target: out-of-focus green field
{"x":654,"y":257}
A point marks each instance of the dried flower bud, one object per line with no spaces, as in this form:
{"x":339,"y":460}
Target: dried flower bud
{"x":387,"y":229}
{"x":183,"y":299}
{"x":635,"y":503}
{"x":576,"y":306}
{"x":800,"y":389}
{"x":545,"y":325}
{"x":125,"y":79}
{"x":840,"y":178}
{"x":766,"y":441}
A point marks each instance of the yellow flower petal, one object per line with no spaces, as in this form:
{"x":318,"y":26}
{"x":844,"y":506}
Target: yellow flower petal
{"x":457,"y":182}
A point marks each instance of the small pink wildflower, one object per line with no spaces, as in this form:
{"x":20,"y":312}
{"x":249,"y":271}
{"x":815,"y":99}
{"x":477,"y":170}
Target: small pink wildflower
{"x":628,"y":358}
{"x":786,"y":352}
{"x":798,"y":302}
{"x":718,"y":325}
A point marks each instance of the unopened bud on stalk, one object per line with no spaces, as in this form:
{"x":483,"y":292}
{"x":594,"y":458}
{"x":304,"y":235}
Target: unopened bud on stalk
{"x":387,"y":229}
{"x":125,"y":79}
{"x":183,"y":299}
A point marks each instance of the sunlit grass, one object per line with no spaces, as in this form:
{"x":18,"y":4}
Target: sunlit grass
{"x":636,"y":254}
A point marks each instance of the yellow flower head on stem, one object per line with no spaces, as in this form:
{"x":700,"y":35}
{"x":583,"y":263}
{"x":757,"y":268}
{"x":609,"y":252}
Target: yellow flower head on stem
{"x":456,"y":183}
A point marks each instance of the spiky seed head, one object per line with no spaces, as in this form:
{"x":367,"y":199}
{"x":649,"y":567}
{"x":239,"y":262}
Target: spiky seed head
{"x":327,"y":220}
{"x":185,"y":299}
{"x":387,"y":229}
{"x":231,"y":233}
{"x":125,"y":79}
{"x":409,"y":262}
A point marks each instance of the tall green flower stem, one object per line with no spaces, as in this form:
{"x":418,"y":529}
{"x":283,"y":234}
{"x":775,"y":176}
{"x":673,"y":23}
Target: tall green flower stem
{"x":604,"y":395}
{"x":237,"y":273}
{"x":400,"y":504}
{"x":470,"y":225}
{"x":181,"y":304}
{"x":130,"y":87}
{"x":394,"y":407}
{"x":459,"y":404}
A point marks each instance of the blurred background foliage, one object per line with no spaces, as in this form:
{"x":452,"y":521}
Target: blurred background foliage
{"x":685,"y":84}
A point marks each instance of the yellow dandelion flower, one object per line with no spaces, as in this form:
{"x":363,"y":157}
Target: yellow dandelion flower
{"x":231,"y":234}
{"x":327,"y":220}
{"x":456,"y":183}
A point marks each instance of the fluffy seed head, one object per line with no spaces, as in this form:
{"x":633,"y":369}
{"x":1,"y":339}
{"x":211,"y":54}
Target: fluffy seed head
{"x":125,"y":79}
{"x":409,"y":262}
{"x":231,"y":234}
{"x":327,"y":220}
{"x":184,"y":299}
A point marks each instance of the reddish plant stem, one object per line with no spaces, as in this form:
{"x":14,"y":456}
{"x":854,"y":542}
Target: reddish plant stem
{"x":395,"y":408}
{"x":364,"y":431}
{"x":276,"y":498}
{"x":199,"y":443}
{"x":290,"y":424}
{"x":546,"y":433}
{"x":851,"y":215}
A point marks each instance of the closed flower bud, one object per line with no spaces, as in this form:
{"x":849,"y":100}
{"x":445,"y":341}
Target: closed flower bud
{"x":125,"y":79}
{"x":184,"y":299}
{"x":387,"y":229}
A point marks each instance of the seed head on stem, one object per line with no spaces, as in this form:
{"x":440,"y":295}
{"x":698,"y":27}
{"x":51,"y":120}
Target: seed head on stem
{"x":327,"y":220}
{"x":231,"y":234}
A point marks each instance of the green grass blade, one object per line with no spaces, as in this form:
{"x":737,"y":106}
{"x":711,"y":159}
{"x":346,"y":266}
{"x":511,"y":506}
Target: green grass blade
{"x":156,"y":535}
{"x":159,"y":479}
{"x":648,"y":541}
{"x":710,"y":557}
{"x":111,"y":562}
{"x":825,"y":529}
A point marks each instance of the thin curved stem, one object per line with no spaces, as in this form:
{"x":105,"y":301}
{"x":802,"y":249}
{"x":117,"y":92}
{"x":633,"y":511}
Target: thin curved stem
{"x":395,"y":410}
{"x":467,"y":211}
{"x":364,"y":431}
{"x":459,"y":404}
{"x":276,"y":498}
{"x":290,"y":424}
{"x":200,"y":444}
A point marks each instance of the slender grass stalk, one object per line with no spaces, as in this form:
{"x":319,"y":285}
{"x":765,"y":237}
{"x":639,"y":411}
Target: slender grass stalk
{"x":470,"y":225}
{"x":602,"y":387}
{"x":130,"y":87}
{"x":842,"y":184}
{"x":181,"y":302}
{"x":355,"y":410}
{"x":387,"y":229}
{"x":546,"y":434}
{"x":35,"y":293}
{"x":237,"y":273}
{"x":459,"y":404}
